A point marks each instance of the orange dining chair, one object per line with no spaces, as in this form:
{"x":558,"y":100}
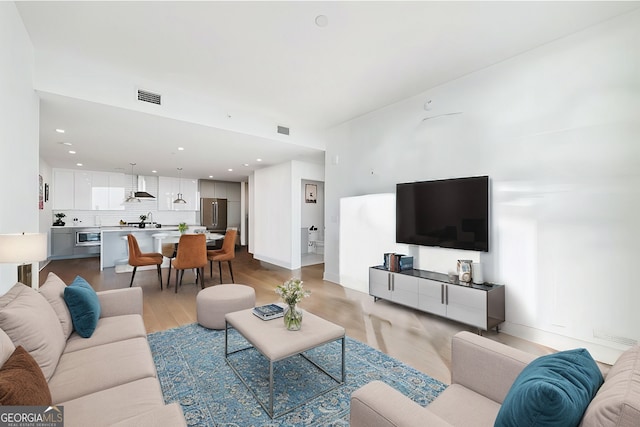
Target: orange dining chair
{"x":169,"y":251}
{"x":192,"y":253}
{"x":226,"y":253}
{"x":139,"y":259}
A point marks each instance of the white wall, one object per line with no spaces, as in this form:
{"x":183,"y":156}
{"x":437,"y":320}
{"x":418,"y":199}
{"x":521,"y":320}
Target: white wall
{"x":557,"y":131}
{"x":18,"y":135}
{"x":276,"y":211}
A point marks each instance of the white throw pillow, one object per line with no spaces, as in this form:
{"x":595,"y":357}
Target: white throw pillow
{"x":53,"y":291}
{"x":6,"y":347}
{"x":29,"y":320}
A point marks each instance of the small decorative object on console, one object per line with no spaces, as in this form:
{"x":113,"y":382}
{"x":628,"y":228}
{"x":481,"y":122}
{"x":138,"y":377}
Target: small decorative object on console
{"x":464,"y":270}
{"x":182,"y":227}
{"x":292,"y":293}
{"x":269,"y":311}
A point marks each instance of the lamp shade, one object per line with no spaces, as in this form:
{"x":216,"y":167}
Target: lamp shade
{"x":23,"y":248}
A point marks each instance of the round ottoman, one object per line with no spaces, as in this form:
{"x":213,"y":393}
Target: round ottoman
{"x":214,"y":302}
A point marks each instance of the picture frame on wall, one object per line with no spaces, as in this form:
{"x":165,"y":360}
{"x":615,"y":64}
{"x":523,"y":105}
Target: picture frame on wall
{"x":40,"y":193}
{"x":310,"y":193}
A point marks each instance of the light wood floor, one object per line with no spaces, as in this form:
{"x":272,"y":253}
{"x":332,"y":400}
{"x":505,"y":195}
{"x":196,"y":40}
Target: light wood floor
{"x":417,"y":339}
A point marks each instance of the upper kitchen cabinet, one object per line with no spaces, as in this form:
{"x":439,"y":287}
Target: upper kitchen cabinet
{"x":107,"y":191}
{"x":87,"y":190}
{"x":168,"y":189}
{"x":220,"y":190}
{"x":62,"y":189}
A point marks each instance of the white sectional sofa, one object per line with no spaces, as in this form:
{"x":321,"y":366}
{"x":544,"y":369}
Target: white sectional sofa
{"x":104,"y":380}
{"x":482,"y":374}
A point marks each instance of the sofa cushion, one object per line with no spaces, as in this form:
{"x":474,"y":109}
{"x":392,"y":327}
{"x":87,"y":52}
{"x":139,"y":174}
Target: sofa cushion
{"x":106,"y":407}
{"x":478,"y":409}
{"x":109,"y":329}
{"x":29,"y":321}
{"x":167,"y":415}
{"x":6,"y":347}
{"x":84,"y":306}
{"x":22,"y":381}
{"x":617,"y":403}
{"x":553,"y":390}
{"x":99,"y":368}
{"x":53,"y":291}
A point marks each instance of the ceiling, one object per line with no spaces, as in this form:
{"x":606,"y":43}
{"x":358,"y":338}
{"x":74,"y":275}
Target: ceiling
{"x":269,"y":62}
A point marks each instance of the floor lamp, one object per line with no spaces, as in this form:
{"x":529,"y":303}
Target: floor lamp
{"x":23,"y":249}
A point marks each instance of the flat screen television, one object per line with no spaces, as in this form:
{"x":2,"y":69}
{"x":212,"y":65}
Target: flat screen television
{"x":449,"y":213}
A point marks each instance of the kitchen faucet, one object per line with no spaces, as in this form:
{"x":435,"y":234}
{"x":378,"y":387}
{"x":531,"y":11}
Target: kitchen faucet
{"x":150,"y":218}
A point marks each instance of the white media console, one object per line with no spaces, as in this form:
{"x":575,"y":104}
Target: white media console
{"x":481,"y":306}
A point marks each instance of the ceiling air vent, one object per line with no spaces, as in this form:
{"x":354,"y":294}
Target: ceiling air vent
{"x":283,"y":130}
{"x":150,"y":97}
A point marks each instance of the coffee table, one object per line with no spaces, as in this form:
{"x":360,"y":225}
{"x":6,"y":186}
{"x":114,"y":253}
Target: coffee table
{"x":276,"y":343}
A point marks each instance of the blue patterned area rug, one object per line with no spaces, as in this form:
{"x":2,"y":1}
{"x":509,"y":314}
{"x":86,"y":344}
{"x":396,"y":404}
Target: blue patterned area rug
{"x":192,"y":371}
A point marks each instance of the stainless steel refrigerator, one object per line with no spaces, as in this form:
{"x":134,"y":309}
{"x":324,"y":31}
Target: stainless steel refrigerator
{"x":213,"y":214}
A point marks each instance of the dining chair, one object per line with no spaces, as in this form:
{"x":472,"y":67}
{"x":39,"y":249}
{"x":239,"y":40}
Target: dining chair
{"x":169,"y":251}
{"x":139,"y":259}
{"x":226,"y":253}
{"x":192,"y":253}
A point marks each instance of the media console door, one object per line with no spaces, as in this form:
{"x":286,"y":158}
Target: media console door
{"x":398,"y":288}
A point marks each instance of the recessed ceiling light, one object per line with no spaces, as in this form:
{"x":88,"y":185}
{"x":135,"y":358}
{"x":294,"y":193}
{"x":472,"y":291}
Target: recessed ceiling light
{"x":78,"y":164}
{"x":258,"y":160}
{"x":154,"y":171}
{"x":72,"y":152}
{"x":246,"y":164}
{"x":68,"y":144}
{"x":230,"y":170}
{"x":322,"y":20}
{"x":210,"y":176}
{"x":180,"y":148}
{"x":60,"y":130}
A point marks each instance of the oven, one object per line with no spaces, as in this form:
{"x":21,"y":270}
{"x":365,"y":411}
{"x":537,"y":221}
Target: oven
{"x":88,"y":237}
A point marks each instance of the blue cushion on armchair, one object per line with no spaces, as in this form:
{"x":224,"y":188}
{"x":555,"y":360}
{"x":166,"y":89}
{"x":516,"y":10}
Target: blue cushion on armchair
{"x":553,"y":390}
{"x":84,"y":306}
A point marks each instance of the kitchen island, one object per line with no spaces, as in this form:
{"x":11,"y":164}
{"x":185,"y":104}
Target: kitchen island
{"x":114,"y":247}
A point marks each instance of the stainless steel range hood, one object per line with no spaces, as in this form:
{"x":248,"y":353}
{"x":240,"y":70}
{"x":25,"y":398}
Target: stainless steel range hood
{"x":142,"y":190}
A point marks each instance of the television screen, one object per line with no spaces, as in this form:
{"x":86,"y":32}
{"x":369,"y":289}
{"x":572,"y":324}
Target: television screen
{"x":450,"y":213}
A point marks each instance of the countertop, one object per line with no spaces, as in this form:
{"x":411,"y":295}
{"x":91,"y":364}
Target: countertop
{"x":122,"y":227}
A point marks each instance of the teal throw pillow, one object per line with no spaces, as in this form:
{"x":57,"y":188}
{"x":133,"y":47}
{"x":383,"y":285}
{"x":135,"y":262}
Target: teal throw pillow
{"x":84,"y":306}
{"x":553,"y":390}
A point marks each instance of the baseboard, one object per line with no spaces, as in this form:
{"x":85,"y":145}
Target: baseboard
{"x":600,"y":352}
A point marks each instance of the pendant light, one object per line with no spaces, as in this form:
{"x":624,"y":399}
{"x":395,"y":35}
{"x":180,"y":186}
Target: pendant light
{"x":132,"y":195}
{"x":180,"y":200}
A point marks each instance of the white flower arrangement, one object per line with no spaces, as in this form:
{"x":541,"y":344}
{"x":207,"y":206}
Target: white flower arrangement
{"x":292,"y":291}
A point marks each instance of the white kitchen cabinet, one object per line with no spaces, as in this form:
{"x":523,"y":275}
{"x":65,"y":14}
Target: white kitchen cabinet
{"x":62,"y":195}
{"x":116,"y":191}
{"x":107,"y":191}
{"x":168,"y":189}
{"x":82,"y":198}
{"x":87,"y":190}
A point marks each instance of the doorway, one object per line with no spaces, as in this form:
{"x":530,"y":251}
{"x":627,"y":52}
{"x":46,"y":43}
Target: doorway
{"x":312,"y":223}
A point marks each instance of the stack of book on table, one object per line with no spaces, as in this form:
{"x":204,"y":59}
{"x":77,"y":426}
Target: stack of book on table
{"x":269,"y":311}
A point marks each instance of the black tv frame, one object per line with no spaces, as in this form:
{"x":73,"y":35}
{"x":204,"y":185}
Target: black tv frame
{"x":455,"y":216}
